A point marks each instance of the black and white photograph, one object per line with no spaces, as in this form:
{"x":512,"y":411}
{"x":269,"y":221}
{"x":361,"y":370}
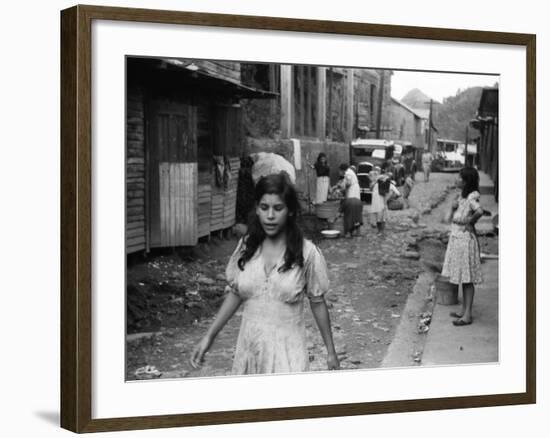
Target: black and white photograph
{"x":298,"y":218}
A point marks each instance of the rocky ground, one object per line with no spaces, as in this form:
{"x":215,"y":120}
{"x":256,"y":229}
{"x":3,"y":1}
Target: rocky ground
{"x":172,"y":297}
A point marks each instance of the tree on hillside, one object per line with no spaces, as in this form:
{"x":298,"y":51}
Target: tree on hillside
{"x":453,"y":116}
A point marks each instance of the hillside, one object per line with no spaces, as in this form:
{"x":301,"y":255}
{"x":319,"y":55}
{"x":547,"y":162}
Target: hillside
{"x":452,"y":115}
{"x":415,"y":98}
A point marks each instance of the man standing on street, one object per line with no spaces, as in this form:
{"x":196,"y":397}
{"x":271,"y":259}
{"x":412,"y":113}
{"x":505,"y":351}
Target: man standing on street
{"x":427,"y":159}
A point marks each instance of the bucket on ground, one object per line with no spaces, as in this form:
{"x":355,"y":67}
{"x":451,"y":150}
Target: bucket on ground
{"x":327,"y":210}
{"x":446,"y":292}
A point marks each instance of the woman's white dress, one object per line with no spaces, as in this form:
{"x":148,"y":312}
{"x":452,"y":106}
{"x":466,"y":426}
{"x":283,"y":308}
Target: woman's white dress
{"x":272,"y":336}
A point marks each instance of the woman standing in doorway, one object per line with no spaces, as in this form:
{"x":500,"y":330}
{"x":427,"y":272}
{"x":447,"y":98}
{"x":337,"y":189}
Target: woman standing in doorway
{"x":462,"y":260}
{"x":271,"y":271}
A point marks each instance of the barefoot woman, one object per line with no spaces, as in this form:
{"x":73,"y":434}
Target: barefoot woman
{"x":462,"y":260}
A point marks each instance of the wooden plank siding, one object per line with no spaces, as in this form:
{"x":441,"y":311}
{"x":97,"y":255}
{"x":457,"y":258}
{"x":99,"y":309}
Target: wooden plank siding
{"x":172,"y":134}
{"x":178,"y":197}
{"x":205,"y":205}
{"x":230,"y":199}
{"x":205,"y":145}
{"x":228,"y":140}
{"x":172,"y":139}
{"x":135,"y":171}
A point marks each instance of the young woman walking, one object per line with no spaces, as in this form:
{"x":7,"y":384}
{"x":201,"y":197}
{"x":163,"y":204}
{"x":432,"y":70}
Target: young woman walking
{"x":271,"y":272}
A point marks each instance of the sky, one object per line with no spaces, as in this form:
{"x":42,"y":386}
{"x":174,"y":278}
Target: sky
{"x":436,"y":85}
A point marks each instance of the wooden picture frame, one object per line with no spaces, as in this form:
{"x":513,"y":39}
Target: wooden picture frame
{"x":76,"y":217}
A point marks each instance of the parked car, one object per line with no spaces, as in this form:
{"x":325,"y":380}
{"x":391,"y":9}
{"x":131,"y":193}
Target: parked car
{"x":363,"y":175}
{"x":376,"y":151}
{"x":365,"y":154}
{"x":449,"y":156}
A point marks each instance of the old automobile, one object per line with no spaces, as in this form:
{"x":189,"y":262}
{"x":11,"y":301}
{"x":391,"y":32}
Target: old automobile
{"x":449,"y":156}
{"x":365,"y":154}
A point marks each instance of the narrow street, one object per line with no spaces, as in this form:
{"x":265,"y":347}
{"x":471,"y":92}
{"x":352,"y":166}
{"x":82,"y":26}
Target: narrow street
{"x":371,"y":278}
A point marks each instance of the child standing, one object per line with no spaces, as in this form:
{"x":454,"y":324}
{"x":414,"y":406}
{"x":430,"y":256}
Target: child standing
{"x":407,"y":188}
{"x":462,"y":260}
{"x":382,"y":191}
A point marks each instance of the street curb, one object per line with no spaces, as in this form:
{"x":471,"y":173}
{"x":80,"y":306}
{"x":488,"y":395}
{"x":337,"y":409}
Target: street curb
{"x":407,"y":343}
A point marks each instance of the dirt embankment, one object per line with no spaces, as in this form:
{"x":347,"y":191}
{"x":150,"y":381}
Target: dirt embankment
{"x":176,"y":288}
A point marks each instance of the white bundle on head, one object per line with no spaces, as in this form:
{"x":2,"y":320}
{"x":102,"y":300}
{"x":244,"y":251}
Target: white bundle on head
{"x":267,"y":163}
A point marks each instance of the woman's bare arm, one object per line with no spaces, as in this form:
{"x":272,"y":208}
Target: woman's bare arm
{"x":228,"y":308}
{"x":322,"y":318}
{"x":474,"y":218}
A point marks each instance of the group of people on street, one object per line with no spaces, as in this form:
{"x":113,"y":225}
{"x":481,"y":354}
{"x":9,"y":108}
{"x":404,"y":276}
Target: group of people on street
{"x":274,"y":270}
{"x":383,"y":189}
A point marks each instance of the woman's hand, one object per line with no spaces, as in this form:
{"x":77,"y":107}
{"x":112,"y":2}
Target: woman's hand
{"x":197,"y":357}
{"x":332,"y":362}
{"x":229,"y":306}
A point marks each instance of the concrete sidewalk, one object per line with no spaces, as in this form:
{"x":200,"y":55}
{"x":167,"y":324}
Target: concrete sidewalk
{"x":478,"y":342}
{"x":475,"y":343}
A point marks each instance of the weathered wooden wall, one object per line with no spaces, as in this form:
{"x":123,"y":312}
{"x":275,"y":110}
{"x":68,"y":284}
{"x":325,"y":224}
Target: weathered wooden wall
{"x":172,"y":138}
{"x":205,"y":145}
{"x":135,"y":170}
{"x":228,"y":146}
{"x":178,"y":204}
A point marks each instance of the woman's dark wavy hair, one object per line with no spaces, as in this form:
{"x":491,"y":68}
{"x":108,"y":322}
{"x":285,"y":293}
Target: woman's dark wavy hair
{"x":471,"y":180}
{"x":321,"y":155}
{"x":276,"y":184}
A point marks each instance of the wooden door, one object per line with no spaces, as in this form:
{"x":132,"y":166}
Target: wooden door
{"x":172,"y":174}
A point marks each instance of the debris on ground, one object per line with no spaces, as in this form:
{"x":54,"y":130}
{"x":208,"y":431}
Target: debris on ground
{"x":424,"y":322}
{"x":147,"y":372}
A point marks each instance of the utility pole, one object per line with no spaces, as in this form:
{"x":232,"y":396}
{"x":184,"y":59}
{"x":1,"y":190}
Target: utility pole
{"x":430,"y":127}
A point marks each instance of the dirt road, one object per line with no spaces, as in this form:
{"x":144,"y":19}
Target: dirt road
{"x":371,"y":278}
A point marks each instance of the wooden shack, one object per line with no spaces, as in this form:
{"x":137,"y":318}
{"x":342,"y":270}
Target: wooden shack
{"x":184,"y":138}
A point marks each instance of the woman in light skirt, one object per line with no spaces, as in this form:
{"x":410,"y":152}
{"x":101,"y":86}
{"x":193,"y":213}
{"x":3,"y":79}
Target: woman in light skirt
{"x":323,"y":178}
{"x":462,"y":259}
